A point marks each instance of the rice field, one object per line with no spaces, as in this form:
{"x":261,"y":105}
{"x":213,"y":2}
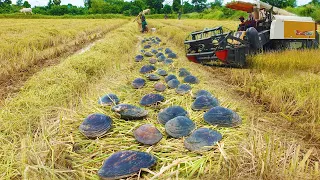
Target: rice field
{"x":25,"y":43}
{"x":39,"y":134}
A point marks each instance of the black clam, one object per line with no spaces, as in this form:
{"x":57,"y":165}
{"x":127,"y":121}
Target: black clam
{"x":168,"y":61}
{"x":222,"y":117}
{"x":151,"y":99}
{"x":152,"y":61}
{"x":172,"y":55}
{"x":162,"y":72}
{"x":184,"y":72}
{"x":109,"y":99}
{"x":147,"y":69}
{"x":168,"y":50}
{"x":129,"y":112}
{"x":153,"y":77}
{"x":148,"y":54}
{"x":125,"y":164}
{"x":147,"y":46}
{"x":138,"y":83}
{"x":179,"y":126}
{"x":169,"y":113}
{"x":204,"y":103}
{"x":173,"y":83}
{"x":139,"y":58}
{"x":191,"y":79}
{"x":161,"y":58}
{"x":154,"y":51}
{"x":147,"y":134}
{"x":159,"y":54}
{"x":160,"y":87}
{"x":95,"y":125}
{"x":202,"y":139}
{"x":183,"y":89}
{"x":170,"y":77}
{"x":202,"y":93}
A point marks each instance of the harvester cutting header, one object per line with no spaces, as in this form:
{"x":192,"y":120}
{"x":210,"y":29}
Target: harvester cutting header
{"x":267,"y":28}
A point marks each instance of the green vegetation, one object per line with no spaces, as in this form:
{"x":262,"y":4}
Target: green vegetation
{"x":310,"y":10}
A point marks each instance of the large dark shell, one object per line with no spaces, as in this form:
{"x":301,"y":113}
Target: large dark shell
{"x":204,"y":103}
{"x":153,"y":77}
{"x":160,"y":87}
{"x":147,"y":46}
{"x":184,"y":73}
{"x":173,"y":83}
{"x":202,"y":93}
{"x":147,"y":69}
{"x":160,"y":49}
{"x":161,"y":58}
{"x":162,"y":72}
{"x":148,"y":54}
{"x":191,"y":79}
{"x":201,"y":139}
{"x":168,"y":50}
{"x":172,"y":55}
{"x":109,"y":99}
{"x":179,"y":126}
{"x":170,"y":77}
{"x":124,"y":164}
{"x":147,"y":134}
{"x":151,"y":99}
{"x":183,"y":89}
{"x":138,"y":83}
{"x":158,"y":39}
{"x":129,"y":112}
{"x":154,"y":51}
{"x":95,"y":125}
{"x":159,"y":54}
{"x":222,"y":117}
{"x":139,"y":58}
{"x":152,"y":61}
{"x":168,"y":61}
{"x":171,"y":112}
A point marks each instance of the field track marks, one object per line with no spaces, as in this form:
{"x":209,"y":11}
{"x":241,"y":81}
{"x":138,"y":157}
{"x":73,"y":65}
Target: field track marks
{"x":9,"y":85}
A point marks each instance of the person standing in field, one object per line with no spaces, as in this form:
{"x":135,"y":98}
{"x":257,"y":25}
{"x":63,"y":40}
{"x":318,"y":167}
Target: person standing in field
{"x":179,"y":15}
{"x":144,"y":23}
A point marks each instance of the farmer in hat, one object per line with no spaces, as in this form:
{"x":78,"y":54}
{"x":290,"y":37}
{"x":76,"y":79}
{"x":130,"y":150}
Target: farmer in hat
{"x":242,"y":26}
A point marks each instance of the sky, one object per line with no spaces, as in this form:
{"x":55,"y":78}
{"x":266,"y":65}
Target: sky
{"x":80,"y":2}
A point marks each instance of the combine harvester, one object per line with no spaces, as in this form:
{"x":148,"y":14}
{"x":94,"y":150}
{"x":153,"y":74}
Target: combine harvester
{"x":269,"y":28}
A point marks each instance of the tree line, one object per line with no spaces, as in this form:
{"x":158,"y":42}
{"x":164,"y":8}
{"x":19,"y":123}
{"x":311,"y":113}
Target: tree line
{"x":132,"y":8}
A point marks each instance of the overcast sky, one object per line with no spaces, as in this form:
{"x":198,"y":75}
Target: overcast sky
{"x":80,"y":2}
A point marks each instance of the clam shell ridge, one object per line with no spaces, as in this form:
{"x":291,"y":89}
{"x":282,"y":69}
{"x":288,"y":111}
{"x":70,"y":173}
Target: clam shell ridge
{"x":179,"y":126}
{"x":109,"y":99}
{"x":147,"y":134}
{"x":201,"y":138}
{"x":151,"y":99}
{"x":222,"y":117}
{"x":169,"y":113}
{"x":95,"y":125}
{"x":124,"y":164}
{"x":204,"y":103}
{"x":129,"y":112}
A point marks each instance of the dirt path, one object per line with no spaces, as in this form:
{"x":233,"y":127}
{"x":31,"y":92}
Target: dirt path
{"x":10,"y":85}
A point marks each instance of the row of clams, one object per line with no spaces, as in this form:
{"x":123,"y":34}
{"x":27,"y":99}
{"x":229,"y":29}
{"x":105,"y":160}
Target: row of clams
{"x":175,"y":119}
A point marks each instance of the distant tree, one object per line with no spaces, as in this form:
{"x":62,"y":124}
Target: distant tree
{"x":26,"y":4}
{"x":50,"y":3}
{"x":57,"y":2}
{"x":316,"y":2}
{"x":217,"y":3}
{"x":157,"y":5}
{"x":282,"y":3}
{"x":167,"y":9}
{"x":200,"y":5}
{"x":87,"y":3}
{"x":19,"y":2}
{"x":187,"y":7}
{"x":176,"y":5}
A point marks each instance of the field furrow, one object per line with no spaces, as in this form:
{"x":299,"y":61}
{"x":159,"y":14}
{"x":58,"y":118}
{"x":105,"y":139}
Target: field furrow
{"x":28,"y":46}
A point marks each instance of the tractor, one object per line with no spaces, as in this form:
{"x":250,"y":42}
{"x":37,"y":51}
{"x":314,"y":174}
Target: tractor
{"x":268,"y":28}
